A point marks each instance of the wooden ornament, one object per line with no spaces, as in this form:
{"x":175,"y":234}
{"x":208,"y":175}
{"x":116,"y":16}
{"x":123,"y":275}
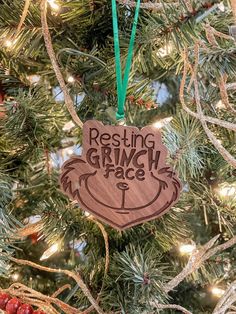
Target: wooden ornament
{"x":122,"y":177}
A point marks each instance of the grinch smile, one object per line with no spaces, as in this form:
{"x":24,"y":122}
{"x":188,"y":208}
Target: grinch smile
{"x":123,"y":187}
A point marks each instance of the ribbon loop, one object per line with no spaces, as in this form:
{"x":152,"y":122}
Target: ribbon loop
{"x":122,"y":83}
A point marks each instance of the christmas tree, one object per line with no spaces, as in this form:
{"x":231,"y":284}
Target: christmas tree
{"x":57,"y":71}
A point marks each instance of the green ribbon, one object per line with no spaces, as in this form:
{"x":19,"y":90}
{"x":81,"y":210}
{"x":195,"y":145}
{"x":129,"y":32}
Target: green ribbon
{"x":122,"y":83}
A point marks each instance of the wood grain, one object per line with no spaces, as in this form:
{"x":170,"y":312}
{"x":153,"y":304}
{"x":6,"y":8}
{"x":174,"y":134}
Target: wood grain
{"x":122,"y":177}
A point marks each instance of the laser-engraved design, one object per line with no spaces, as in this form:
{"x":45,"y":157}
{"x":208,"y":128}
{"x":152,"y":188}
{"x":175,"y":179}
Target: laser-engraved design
{"x":121,"y":177}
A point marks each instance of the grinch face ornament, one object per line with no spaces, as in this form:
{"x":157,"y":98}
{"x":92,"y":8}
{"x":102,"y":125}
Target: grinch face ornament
{"x":122,"y":177}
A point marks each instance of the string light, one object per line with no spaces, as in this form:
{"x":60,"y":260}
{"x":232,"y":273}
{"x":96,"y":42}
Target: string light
{"x":161,"y":123}
{"x":8,"y":43}
{"x":54,"y":5}
{"x":49,"y":252}
{"x":221,"y":6}
{"x":32,"y":219}
{"x":217,"y":292}
{"x":165,"y":50}
{"x":15,"y":276}
{"x":187,"y":249}
{"x":70,"y":151}
{"x":68,"y":126}
{"x":220,"y":105}
{"x":33,"y":79}
{"x":87,"y":214}
{"x":227,"y":190}
{"x":70,"y":79}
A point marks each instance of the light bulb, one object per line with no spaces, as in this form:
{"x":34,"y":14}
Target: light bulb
{"x":70,"y":79}
{"x":33,"y":79}
{"x":32,"y":219}
{"x":229,"y":190}
{"x":49,"y":252}
{"x":158,"y":124}
{"x":217,"y":292}
{"x":187,"y":249}
{"x":221,"y":6}
{"x":165,"y":50}
{"x":54,"y":6}
{"x":70,"y":151}
{"x":161,"y":123}
{"x":87,"y":214}
{"x":8,"y":43}
{"x":15,"y":277}
{"x":220,"y":105}
{"x":68,"y":126}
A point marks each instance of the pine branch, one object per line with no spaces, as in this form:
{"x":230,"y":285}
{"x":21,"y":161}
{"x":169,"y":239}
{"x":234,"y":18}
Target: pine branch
{"x":48,"y":43}
{"x":35,"y":298}
{"x":224,"y":94}
{"x":172,"y":306}
{"x":78,"y":279}
{"x":224,"y":153}
{"x":23,"y":17}
{"x":107,"y":261}
{"x":225,"y":124}
{"x":198,"y":257}
{"x":231,"y":86}
{"x":149,"y":5}
{"x":60,"y":290}
{"x":184,"y":139}
{"x":226,"y":301}
{"x":233,"y":5}
{"x":200,"y":115}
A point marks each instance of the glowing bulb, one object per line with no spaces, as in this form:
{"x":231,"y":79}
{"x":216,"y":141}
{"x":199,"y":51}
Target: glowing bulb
{"x":187,"y":249}
{"x":229,"y":190}
{"x":54,"y":6}
{"x":218,"y":292}
{"x":70,"y":151}
{"x":68,"y":126}
{"x":161,"y":123}
{"x":33,"y":79}
{"x":157,"y":124}
{"x":165,"y":50}
{"x":221,"y":6}
{"x":70,"y":79}
{"x":15,"y":277}
{"x":49,"y":252}
{"x":8,"y":43}
{"x":220,"y":105}
{"x":87,"y":214}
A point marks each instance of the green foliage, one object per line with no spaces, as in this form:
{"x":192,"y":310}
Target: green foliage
{"x":215,"y":211}
{"x":8,"y":224}
{"x":144,"y":258}
{"x":184,"y":138}
{"x":139,"y":275}
{"x":30,"y":129}
{"x":93,"y":18}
